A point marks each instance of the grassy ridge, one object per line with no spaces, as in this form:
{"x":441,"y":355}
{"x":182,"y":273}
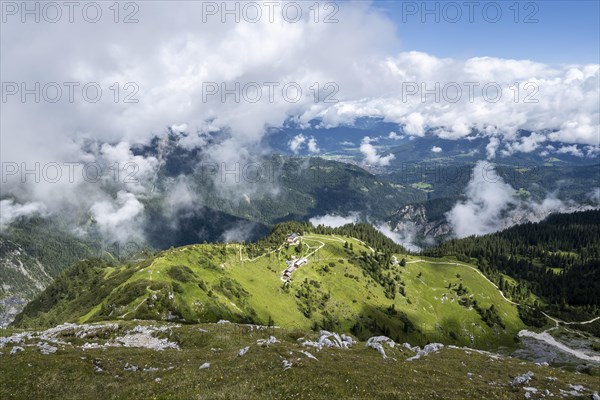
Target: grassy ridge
{"x":419,"y":302}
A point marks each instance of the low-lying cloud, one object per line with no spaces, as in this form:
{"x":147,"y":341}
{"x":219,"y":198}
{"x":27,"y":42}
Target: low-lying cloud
{"x":171,"y":64}
{"x":372,"y":156}
{"x":11,"y":211}
{"x":335,"y":221}
{"x":491,"y":205}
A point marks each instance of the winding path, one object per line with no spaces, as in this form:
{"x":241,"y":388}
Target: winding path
{"x":558,"y":321}
{"x":543,"y":336}
{"x":468,"y":266}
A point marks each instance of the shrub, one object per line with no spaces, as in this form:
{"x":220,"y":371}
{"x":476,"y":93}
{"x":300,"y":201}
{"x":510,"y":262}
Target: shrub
{"x":181,"y":273}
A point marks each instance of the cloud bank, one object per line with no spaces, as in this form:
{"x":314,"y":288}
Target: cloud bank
{"x":491,"y":205}
{"x":335,"y":221}
{"x":168,"y":69}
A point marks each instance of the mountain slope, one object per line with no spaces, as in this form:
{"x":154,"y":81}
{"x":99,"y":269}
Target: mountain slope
{"x":345,"y":285}
{"x":33,"y":251}
{"x":557,"y":259}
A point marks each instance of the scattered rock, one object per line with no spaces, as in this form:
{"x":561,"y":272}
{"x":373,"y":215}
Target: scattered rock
{"x":130,"y":367}
{"x":97,"y":366}
{"x":566,"y":393}
{"x":286,"y":365}
{"x":577,"y":388}
{"x":143,"y":336}
{"x":87,"y":346}
{"x":522,"y":379}
{"x":243,"y":351}
{"x":414,"y":349}
{"x":205,"y":365}
{"x":223,"y":321}
{"x":329,"y":339}
{"x":595,"y":396}
{"x":376,"y":342}
{"x":140,"y":336}
{"x":307,"y":354}
{"x":348,"y":339}
{"x":428,"y":349}
{"x":16,"y":349}
{"x":45,"y":348}
{"x":157,"y":380}
{"x":267,"y":342}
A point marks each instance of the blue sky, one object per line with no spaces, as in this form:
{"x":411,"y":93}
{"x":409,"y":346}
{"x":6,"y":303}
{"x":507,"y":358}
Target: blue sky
{"x":566,"y":31}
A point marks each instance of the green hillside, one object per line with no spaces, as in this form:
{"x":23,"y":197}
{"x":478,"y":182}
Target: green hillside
{"x":346,"y":285}
{"x":556,"y":261}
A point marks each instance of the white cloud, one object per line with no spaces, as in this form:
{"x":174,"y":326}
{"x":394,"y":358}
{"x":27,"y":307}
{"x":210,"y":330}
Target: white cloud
{"x":296,"y":143}
{"x":241,"y":232}
{"x":12,"y":211}
{"x":436,"y":149}
{"x":572,"y":150}
{"x":415,"y":124}
{"x":405,"y":238}
{"x":491,"y":205}
{"x":525,"y":144}
{"x":170,"y":64}
{"x":488,"y":196}
{"x":595,"y":196}
{"x":118,"y":219}
{"x":312,"y":145}
{"x":393,"y":135}
{"x":371,"y":157}
{"x":335,"y":221}
{"x":180,"y":128}
{"x":299,"y":141}
{"x":492,"y":147}
{"x":592,"y":151}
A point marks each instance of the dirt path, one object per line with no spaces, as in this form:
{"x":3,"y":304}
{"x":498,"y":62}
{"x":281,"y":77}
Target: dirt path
{"x":558,"y":321}
{"x":468,"y":266}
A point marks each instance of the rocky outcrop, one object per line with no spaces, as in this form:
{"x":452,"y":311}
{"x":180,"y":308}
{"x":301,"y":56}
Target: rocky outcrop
{"x":329,"y":339}
{"x":522,"y":379}
{"x":377,"y":342}
{"x":22,"y":277}
{"x":428,"y":349}
{"x":267,"y":342}
{"x":411,"y":221}
{"x":141,"y":336}
{"x":243,"y":351}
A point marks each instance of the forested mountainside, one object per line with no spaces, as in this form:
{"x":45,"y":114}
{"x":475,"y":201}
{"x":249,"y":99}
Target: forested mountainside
{"x":33,"y":252}
{"x":557,"y":259}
